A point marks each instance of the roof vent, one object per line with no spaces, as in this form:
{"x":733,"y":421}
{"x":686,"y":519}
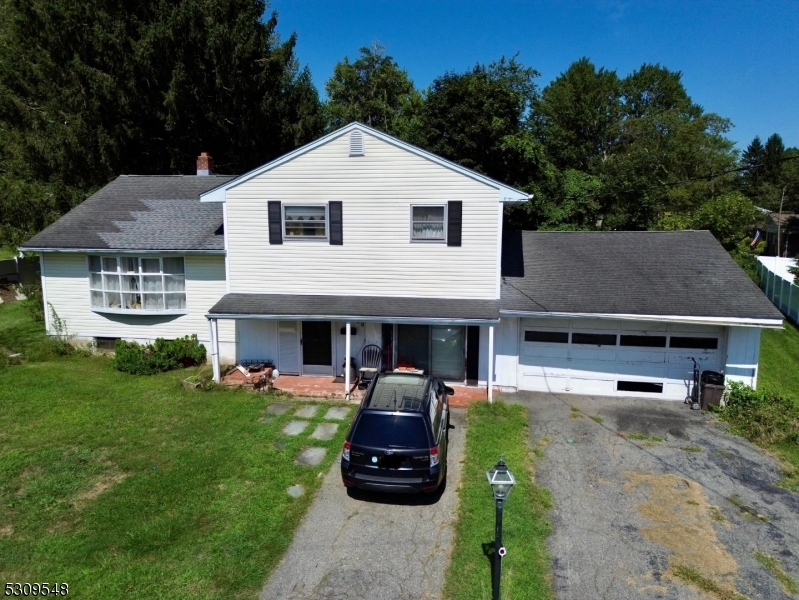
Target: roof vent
{"x":205,"y":164}
{"x":356,"y":143}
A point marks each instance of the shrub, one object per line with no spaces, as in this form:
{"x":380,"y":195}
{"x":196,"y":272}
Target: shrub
{"x":164,"y":355}
{"x":34,"y":300}
{"x":762,"y":416}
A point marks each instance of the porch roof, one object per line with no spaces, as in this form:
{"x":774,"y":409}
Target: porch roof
{"x":300,"y":307}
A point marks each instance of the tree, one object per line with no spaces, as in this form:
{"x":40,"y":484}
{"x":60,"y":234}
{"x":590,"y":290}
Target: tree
{"x":93,"y":89}
{"x":372,"y":90}
{"x":479,"y":119}
{"x":577,"y":114}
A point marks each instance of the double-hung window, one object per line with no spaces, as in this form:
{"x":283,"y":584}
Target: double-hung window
{"x":428,"y":223}
{"x":137,"y":283}
{"x":305,"y":221}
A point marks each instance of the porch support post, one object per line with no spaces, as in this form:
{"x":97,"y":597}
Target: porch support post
{"x":215,"y":349}
{"x":491,"y":363}
{"x":347,"y":348}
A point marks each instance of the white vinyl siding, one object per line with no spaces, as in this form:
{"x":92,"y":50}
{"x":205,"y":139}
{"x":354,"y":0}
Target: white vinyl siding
{"x":378,"y":256}
{"x":66,"y":277}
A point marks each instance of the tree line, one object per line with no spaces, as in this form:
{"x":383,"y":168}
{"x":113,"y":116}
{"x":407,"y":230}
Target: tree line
{"x":95,"y":88}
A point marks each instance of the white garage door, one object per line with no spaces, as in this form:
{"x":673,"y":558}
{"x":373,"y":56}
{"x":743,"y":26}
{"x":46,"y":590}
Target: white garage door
{"x":615,"y":358}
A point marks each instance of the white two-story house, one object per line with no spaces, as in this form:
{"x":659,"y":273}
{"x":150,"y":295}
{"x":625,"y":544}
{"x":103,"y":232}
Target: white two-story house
{"x":360,"y":239}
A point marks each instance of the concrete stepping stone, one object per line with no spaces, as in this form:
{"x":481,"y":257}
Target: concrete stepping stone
{"x":307,"y":412}
{"x":295,"y":491}
{"x":278,"y":408}
{"x":325,"y":431}
{"x":280,"y":446}
{"x":337,"y":413}
{"x":265,"y":420}
{"x":311,"y":456}
{"x":295,"y":427}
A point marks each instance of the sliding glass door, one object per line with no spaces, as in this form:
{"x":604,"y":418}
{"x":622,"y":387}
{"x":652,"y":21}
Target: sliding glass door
{"x":436,"y":350}
{"x":446,"y":344}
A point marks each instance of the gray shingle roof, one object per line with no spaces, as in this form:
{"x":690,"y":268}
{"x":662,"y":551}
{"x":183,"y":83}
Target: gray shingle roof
{"x":136,"y":212}
{"x":662,"y":273}
{"x":356,"y":307}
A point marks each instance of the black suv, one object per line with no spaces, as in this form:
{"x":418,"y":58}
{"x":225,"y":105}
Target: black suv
{"x":399,"y":437}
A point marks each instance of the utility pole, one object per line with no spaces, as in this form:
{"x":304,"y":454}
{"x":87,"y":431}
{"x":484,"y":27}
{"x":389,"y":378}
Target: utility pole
{"x":779,"y":221}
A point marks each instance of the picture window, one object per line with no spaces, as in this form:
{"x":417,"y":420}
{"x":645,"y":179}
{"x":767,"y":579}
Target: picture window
{"x":132,"y":283}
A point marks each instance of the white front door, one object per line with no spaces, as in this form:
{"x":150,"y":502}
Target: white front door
{"x":288,"y":343}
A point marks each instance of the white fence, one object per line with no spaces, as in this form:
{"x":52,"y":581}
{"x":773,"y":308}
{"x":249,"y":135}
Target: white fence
{"x":777,"y":283}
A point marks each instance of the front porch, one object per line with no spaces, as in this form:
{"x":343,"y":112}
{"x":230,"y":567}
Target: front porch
{"x":320,"y":351}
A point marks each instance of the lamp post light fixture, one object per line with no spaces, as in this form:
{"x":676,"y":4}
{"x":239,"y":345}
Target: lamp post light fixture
{"x":502,"y":482}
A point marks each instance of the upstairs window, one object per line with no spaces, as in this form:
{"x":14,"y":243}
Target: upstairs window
{"x":427,"y":223}
{"x":137,"y":283}
{"x":305,"y":221}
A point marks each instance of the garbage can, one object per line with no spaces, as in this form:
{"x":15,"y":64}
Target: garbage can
{"x":710,"y":394}
{"x":713,"y":377}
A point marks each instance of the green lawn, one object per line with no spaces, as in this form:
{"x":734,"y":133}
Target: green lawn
{"x":779,"y":372}
{"x":131,"y":487}
{"x":779,"y":360}
{"x":495,"y":429}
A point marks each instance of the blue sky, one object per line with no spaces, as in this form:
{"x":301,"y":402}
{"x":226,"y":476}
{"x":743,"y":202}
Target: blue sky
{"x":739,"y":59}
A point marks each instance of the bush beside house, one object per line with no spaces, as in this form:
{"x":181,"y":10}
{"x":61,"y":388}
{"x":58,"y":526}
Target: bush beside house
{"x":163,"y":355}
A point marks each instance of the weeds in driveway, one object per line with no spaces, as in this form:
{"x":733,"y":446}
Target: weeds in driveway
{"x":496,"y":429}
{"x":774,"y":565}
{"x":649,"y":440}
{"x":710,"y":586}
{"x":598,"y":419}
{"x":691,"y":448}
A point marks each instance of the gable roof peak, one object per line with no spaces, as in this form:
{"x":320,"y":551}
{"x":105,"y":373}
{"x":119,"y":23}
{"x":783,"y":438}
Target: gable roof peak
{"x":506,"y":192}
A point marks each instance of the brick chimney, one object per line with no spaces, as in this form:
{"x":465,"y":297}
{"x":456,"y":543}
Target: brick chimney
{"x":205,"y":164}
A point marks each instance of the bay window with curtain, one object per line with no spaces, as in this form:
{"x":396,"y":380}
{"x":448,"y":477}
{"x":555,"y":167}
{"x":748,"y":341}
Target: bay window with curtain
{"x":133,"y":284}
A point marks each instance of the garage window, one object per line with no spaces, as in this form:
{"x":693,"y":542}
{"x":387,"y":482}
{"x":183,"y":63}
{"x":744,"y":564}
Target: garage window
{"x":594,"y":339}
{"x":698,"y":343}
{"x":551,"y":337}
{"x":644,"y":341}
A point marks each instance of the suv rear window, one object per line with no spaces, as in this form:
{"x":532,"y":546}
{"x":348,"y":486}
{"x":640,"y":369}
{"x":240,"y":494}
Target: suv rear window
{"x":387,"y":430}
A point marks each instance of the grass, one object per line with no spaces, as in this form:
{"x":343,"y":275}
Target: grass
{"x":774,"y":566}
{"x":643,"y":437}
{"x":692,"y":576}
{"x":128,"y":485}
{"x":6,"y":253}
{"x":598,"y":419}
{"x":779,"y":361}
{"x":691,"y":448}
{"x":493,"y":430}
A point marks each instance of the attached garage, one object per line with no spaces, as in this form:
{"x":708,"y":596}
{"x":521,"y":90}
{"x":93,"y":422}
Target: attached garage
{"x":624,"y":313}
{"x":615,"y":358}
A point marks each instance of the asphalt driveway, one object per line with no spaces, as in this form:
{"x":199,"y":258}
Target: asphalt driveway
{"x":647,"y":486}
{"x":376,"y":546}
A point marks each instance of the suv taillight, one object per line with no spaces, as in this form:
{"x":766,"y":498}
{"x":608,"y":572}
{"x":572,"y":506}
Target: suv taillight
{"x":433,"y":456}
{"x":345,"y":454}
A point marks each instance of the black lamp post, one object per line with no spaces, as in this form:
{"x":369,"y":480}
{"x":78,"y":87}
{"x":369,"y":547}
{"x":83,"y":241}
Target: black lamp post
{"x":502,"y":482}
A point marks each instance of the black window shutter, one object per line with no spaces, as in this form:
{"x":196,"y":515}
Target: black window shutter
{"x":275,"y":222}
{"x":454,"y":222}
{"x":336,"y":233}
